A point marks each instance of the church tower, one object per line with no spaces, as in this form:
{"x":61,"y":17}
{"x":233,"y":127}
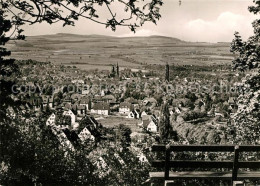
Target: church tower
{"x":167,"y":72}
{"x":117,"y":70}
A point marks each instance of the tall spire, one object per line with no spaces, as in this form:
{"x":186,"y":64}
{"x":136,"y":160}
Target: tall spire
{"x":117,"y":70}
{"x":167,"y":72}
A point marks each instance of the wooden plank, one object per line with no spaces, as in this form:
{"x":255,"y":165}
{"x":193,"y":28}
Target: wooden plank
{"x":158,"y":148}
{"x":191,"y":175}
{"x":249,"y":148}
{"x":195,"y":148}
{"x":193,"y":164}
{"x":205,"y":164}
{"x":218,"y":148}
{"x":205,"y":174}
{"x":249,"y":164}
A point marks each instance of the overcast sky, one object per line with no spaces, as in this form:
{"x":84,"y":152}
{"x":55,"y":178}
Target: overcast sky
{"x":194,"y":20}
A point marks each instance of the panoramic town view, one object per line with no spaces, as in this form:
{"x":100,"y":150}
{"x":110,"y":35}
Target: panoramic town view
{"x":127,"y":92}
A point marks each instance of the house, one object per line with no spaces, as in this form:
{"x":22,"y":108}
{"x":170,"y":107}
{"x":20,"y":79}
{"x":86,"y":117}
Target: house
{"x":73,"y":117}
{"x":142,"y":158}
{"x":48,"y":100}
{"x":125,"y":108}
{"x":78,"y":81}
{"x":152,"y":127}
{"x":149,"y":102}
{"x":133,"y":114}
{"x":143,"y":114}
{"x":64,"y":142}
{"x":51,"y":119}
{"x":149,"y":125}
{"x":79,"y":110}
{"x":67,"y":99}
{"x":137,"y":113}
{"x":101,"y":108}
{"x":85,"y":102}
{"x":86,"y":135}
{"x":109,"y":99}
{"x":75,"y":97}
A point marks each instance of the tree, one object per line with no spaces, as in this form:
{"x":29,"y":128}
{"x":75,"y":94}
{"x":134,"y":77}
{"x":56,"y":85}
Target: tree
{"x":191,"y":96}
{"x":7,"y":69}
{"x":123,"y":135}
{"x":165,"y":128}
{"x":69,"y":11}
{"x":34,"y":155}
{"x":247,"y":118}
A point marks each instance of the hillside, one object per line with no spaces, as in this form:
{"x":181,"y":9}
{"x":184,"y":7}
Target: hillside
{"x":92,"y":51}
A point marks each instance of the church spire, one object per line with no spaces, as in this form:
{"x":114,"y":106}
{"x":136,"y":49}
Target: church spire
{"x":117,"y":70}
{"x":167,"y":72}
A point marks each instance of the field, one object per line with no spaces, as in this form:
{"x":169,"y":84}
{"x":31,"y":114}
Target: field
{"x":113,"y":121}
{"x":96,"y":51}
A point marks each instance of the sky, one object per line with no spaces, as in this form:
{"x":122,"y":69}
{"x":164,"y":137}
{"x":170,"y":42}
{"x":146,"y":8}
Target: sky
{"x":193,"y":20}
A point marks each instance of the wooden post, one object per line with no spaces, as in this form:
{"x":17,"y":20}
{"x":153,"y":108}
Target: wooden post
{"x":167,"y":163}
{"x":235,"y":164}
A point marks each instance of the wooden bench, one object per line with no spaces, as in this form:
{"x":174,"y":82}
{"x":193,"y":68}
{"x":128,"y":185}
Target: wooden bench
{"x":234,"y":174}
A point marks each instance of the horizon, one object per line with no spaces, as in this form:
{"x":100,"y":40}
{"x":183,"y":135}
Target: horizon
{"x":63,"y":33}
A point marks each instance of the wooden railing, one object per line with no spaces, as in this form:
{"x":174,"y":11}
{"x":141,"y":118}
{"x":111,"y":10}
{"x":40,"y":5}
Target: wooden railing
{"x":234,"y":165}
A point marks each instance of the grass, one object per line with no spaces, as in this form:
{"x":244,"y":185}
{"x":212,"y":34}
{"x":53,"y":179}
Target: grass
{"x":112,"y":121}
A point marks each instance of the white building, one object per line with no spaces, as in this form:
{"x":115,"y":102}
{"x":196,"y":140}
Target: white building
{"x":101,"y":108}
{"x":72,"y":116}
{"x":125,"y":108}
{"x":152,"y":127}
{"x":51,"y":119}
{"x":86,"y":135}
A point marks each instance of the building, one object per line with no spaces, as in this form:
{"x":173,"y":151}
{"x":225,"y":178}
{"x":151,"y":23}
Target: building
{"x":85,"y":135}
{"x":125,"y":108}
{"x":101,"y":108}
{"x":51,"y":119}
{"x":149,"y":125}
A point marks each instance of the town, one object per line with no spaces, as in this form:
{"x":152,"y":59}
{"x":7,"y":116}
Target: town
{"x":96,"y":107}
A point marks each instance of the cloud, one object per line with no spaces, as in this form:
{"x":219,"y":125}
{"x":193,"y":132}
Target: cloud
{"x":221,"y":29}
{"x":141,"y":32}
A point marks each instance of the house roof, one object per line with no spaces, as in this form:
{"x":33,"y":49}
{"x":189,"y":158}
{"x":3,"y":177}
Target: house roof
{"x":146,"y":123}
{"x":126,"y":105}
{"x":231,"y":100}
{"x":84,"y":100}
{"x":109,"y":97}
{"x":131,"y":100}
{"x":91,"y":124}
{"x":101,"y":106}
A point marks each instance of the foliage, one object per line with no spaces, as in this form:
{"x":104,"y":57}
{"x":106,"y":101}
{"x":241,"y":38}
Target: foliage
{"x":247,"y":118}
{"x":33,"y":154}
{"x":7,"y":69}
{"x":192,"y":115}
{"x":191,"y":96}
{"x":165,"y":128}
{"x":123,"y":135}
{"x":68,"y":11}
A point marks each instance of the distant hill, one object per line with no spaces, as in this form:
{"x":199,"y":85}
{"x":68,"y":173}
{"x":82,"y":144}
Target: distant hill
{"x":91,"y":51}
